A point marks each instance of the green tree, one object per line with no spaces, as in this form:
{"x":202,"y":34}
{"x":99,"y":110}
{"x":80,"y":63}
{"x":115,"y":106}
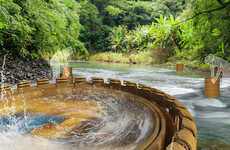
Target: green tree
{"x":211,"y":23}
{"x":34,"y":27}
{"x":94,"y":34}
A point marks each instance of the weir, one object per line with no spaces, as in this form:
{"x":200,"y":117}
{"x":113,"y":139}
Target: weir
{"x":115,"y":113}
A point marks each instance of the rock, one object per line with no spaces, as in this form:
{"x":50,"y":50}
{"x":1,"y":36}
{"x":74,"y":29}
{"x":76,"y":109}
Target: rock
{"x":17,"y":69}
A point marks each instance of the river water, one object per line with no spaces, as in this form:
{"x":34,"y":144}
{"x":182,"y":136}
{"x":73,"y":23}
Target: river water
{"x":212,"y":116}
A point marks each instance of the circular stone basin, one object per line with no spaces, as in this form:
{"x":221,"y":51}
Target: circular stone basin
{"x":89,"y":118}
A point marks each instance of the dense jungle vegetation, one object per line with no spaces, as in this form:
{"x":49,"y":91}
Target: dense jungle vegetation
{"x":151,"y":31}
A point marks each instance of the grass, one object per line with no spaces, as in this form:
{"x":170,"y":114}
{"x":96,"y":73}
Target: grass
{"x":146,"y":57}
{"x":137,"y":58}
{"x":193,"y":64}
{"x":189,"y":59}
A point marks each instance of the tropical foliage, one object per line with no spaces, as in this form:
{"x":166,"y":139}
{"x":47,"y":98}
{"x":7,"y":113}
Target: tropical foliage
{"x":35,"y":27}
{"x":171,"y":30}
{"x":100,"y":17}
{"x":192,"y":35}
{"x":212,"y":28}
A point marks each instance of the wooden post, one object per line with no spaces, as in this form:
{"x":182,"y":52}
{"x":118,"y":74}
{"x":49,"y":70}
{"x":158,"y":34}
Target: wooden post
{"x":179,"y":67}
{"x":212,"y":90}
{"x":67,"y":72}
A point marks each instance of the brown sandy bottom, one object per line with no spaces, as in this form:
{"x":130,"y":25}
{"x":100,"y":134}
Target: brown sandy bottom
{"x":92,"y":122}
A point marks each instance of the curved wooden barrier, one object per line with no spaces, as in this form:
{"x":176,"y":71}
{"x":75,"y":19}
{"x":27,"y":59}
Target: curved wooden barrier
{"x":175,"y":126}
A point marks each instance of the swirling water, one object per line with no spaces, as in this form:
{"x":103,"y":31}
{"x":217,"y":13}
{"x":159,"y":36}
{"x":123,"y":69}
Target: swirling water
{"x":212,"y":116}
{"x":109,"y":121}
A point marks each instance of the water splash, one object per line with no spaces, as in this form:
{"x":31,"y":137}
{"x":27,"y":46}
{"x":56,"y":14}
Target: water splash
{"x":122,"y":124}
{"x":217,"y":66}
{"x":17,"y":141}
{"x":60,"y":58}
{"x":3,"y":92}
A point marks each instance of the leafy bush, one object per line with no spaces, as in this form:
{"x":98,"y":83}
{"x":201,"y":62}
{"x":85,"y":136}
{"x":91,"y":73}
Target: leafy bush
{"x":37,"y":27}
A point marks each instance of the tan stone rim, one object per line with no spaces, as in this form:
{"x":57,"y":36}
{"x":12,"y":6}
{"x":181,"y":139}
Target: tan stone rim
{"x":182,"y":125}
{"x":159,"y":126}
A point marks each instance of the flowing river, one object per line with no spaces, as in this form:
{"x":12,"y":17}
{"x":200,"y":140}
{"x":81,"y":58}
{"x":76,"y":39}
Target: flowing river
{"x":212,"y":116}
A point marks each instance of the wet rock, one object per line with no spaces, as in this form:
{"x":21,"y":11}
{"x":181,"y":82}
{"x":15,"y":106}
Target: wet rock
{"x":16,"y":70}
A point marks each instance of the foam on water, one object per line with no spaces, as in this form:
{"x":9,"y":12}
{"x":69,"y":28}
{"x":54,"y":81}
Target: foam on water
{"x":176,"y":90}
{"x":210,"y":102}
{"x":189,"y":90}
{"x":214,"y":115}
{"x":161,"y":70}
{"x":188,"y":87}
{"x":122,"y":124}
{"x":225,"y":121}
{"x":95,"y":73}
{"x":18,"y":141}
{"x":225,"y":82}
{"x":21,"y":124}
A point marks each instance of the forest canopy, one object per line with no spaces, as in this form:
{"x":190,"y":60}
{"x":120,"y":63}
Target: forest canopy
{"x":171,"y":30}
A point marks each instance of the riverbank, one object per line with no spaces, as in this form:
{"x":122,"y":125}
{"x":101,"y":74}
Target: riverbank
{"x":128,"y":58}
{"x":17,"y":69}
{"x":147,"y":58}
{"x":14,"y":70}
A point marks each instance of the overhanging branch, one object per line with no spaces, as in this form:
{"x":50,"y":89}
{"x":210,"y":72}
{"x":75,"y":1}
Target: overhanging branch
{"x":223,"y":5}
{"x":220,"y":2}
